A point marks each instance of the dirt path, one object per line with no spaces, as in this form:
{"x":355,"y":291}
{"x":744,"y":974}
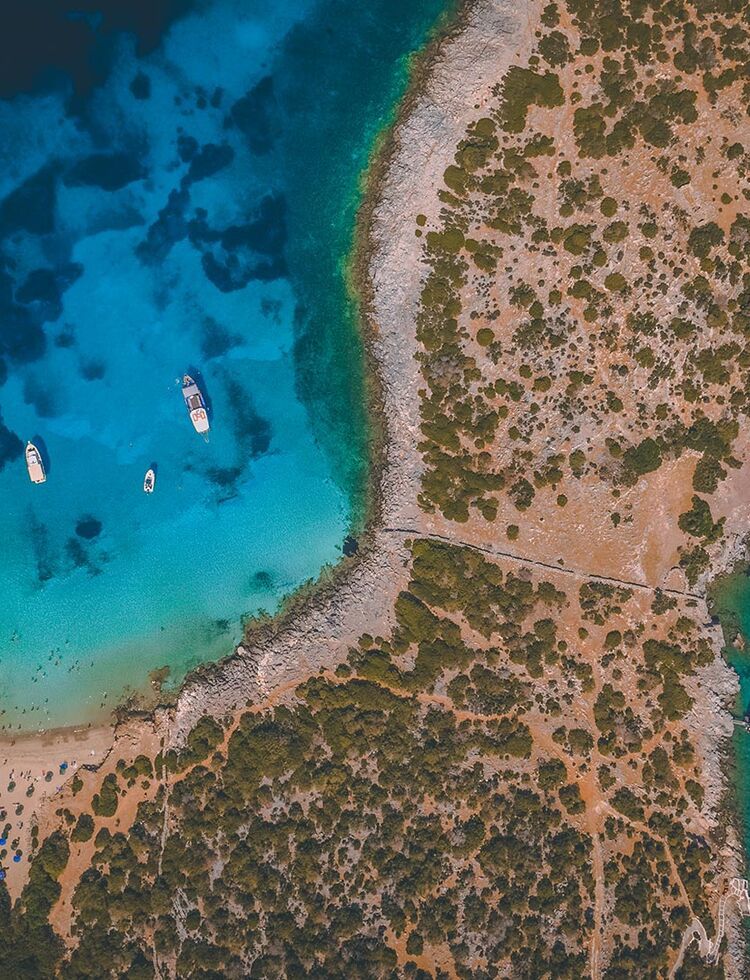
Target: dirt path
{"x":738,"y":891}
{"x":598,"y":864}
{"x":162,"y":843}
{"x":521,"y":560}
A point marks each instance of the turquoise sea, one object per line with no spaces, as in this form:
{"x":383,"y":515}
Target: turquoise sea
{"x":178,"y":186}
{"x":732,"y":603}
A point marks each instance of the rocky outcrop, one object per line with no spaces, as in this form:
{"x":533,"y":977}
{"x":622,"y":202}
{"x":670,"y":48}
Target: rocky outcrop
{"x":454,"y":75}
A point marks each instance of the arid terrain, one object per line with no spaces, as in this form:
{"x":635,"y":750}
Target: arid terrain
{"x":493,"y":744}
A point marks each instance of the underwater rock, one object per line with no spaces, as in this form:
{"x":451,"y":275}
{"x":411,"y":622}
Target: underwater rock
{"x":41,"y":396}
{"x":216,"y":339}
{"x":251,"y":430}
{"x":199,"y":231}
{"x":42,"y":290}
{"x":254,"y":250}
{"x":141,"y":86}
{"x":21,"y":338}
{"x":187,"y":147}
{"x":42,"y":40}
{"x":88,"y":527}
{"x":93,"y":370}
{"x":76,"y":553}
{"x":45,"y":562}
{"x":168,"y":229}
{"x":224,"y":477}
{"x":261,"y":582}
{"x":66,"y":337}
{"x":253,"y":115}
{"x":109,"y":171}
{"x":11,"y":446}
{"x":266,"y":233}
{"x":209,"y":160}
{"x":31,"y":206}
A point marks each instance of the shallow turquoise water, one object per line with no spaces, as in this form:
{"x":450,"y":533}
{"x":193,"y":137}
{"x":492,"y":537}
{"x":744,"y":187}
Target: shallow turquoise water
{"x":733,"y":606}
{"x":188,"y":206}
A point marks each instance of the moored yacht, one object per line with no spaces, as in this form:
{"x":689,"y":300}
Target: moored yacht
{"x":196,"y":404}
{"x":34,"y":464}
{"x":149,"y":481}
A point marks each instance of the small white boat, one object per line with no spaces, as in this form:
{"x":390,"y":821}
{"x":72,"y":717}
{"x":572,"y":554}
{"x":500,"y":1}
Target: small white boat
{"x":196,"y":404}
{"x":34,"y":464}
{"x":149,"y":481}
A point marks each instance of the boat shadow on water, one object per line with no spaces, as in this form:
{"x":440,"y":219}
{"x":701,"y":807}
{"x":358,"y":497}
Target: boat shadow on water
{"x":41,"y":445}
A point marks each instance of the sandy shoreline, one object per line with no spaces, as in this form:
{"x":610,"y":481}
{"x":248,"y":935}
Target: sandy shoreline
{"x":34,"y":769}
{"x":321,"y":622}
{"x":319,"y":625}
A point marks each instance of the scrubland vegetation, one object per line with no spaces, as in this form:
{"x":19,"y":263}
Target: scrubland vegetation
{"x":587,"y":278}
{"x":428,"y":803}
{"x":506,"y":784}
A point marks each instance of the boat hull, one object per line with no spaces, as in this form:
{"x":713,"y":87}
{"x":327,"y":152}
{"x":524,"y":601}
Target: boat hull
{"x":195,"y":404}
{"x":34,"y":464}
{"x":199,"y":418}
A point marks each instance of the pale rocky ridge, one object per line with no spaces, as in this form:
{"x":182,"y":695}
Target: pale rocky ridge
{"x":463,"y":72}
{"x":464,"y":68}
{"x":360,"y":599}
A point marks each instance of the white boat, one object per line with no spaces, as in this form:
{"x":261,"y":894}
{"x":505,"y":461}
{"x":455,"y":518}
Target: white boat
{"x":196,"y":404}
{"x":34,"y":464}
{"x":149,"y":481}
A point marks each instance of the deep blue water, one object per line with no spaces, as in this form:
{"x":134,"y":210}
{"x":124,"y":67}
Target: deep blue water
{"x":178,"y":183}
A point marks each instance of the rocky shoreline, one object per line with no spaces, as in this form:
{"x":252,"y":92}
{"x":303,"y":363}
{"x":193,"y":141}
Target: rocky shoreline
{"x":452,"y":76}
{"x":321,"y":621}
{"x":451,"y":81}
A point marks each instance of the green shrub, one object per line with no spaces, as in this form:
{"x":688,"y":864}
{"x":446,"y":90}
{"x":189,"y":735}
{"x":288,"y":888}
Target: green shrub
{"x":694,"y":561}
{"x":523,"y":88}
{"x":577,"y":460}
{"x":643,"y":458}
{"x":705,"y":237}
{"x":612,"y":640}
{"x":615,"y":282}
{"x":699,"y":523}
{"x":577,"y":238}
{"x":708,"y":473}
{"x":104,"y":803}
{"x":616,"y":232}
{"x":83,"y":830}
{"x":551,"y":773}
{"x":679,"y":177}
{"x":570,"y":797}
{"x":674,"y":700}
{"x":450,"y":241}
{"x":626,"y":802}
